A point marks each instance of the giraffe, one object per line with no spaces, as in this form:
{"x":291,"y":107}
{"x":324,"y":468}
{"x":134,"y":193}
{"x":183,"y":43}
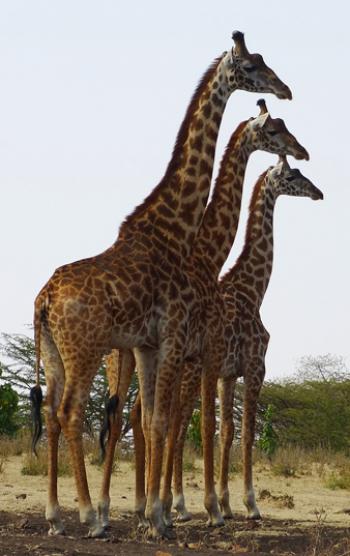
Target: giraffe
{"x":216,"y":235}
{"x":243,"y":289}
{"x":136,"y":294}
{"x":125,"y":366}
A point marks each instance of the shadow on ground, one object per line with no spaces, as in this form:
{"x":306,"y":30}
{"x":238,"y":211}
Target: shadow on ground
{"x":26,"y":534}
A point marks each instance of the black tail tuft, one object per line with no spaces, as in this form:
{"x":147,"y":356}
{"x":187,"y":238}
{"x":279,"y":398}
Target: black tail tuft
{"x":36,"y":398}
{"x":110,"y":410}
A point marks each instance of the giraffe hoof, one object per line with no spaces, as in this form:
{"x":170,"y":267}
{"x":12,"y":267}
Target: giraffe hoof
{"x":97,"y":532}
{"x":183,"y":517}
{"x":254,"y":516}
{"x":56,"y":530}
{"x":143,"y":525}
{"x":227,"y":515}
{"x":217,"y":521}
{"x":167,"y":534}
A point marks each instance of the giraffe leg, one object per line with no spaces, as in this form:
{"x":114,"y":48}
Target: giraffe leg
{"x":146,"y":362}
{"x":140,"y":460}
{"x":189,"y":393}
{"x":54,"y":374}
{"x":252,"y":388}
{"x":168,"y":368}
{"x":167,"y":496}
{"x":119,"y":369}
{"x":226,"y":394}
{"x":208,"y":390}
{"x":70,"y":415}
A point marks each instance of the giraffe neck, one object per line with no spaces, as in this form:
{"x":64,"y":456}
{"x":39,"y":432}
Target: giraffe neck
{"x":174,"y":209}
{"x":220,"y":221}
{"x":251,"y":273}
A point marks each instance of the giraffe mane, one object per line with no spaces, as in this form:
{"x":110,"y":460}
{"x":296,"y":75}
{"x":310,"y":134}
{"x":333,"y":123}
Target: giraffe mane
{"x":227,"y":153}
{"x":180,"y":139}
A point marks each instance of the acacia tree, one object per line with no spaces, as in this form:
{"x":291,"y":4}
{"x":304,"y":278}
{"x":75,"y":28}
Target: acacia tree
{"x":312,"y":408}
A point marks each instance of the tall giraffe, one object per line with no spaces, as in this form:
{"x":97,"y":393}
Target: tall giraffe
{"x":243,"y":289}
{"x":136,"y":294}
{"x":216,"y":236}
{"x":125,"y":365}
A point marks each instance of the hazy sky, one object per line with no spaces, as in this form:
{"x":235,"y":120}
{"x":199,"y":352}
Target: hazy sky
{"x":92,"y":95}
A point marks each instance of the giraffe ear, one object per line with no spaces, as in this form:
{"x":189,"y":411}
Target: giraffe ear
{"x":260,"y":121}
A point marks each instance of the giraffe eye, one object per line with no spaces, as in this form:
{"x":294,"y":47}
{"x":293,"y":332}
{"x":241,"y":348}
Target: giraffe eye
{"x":250,"y":68}
{"x":272,"y":133}
{"x":290,"y":178}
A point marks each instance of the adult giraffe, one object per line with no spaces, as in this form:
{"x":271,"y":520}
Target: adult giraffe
{"x":210,"y":250}
{"x":136,"y":294}
{"x":243,"y":289}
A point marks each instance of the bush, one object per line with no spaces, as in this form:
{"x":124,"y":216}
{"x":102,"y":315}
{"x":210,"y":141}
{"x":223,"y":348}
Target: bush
{"x":8,"y":409}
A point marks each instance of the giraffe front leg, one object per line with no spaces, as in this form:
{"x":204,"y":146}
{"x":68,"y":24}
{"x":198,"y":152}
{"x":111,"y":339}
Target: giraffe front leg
{"x":174,"y":424}
{"x":140,"y":460}
{"x":226,"y":394}
{"x":208,"y":388}
{"x":146,"y":360}
{"x":251,"y":394}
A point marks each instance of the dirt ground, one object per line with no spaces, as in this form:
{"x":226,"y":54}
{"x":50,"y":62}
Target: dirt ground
{"x":300,"y":516}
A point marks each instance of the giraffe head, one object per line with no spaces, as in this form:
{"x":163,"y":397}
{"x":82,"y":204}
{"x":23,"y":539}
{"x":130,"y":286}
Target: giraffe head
{"x":284,"y":180}
{"x":271,"y":135}
{"x":250,"y":73}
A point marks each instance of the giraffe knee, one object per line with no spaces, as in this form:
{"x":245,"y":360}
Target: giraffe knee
{"x":70,"y":421}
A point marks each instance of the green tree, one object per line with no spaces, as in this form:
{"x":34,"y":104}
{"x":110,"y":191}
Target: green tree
{"x":312,"y":408}
{"x":8,"y":409}
{"x":268,"y":440}
{"x":194,"y":435}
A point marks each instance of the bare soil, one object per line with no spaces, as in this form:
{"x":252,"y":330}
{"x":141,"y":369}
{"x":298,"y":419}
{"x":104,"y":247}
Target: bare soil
{"x":300,"y":516}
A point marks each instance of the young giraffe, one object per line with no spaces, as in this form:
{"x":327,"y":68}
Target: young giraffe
{"x":243,"y":289}
{"x":136,"y":294}
{"x":215,"y":239}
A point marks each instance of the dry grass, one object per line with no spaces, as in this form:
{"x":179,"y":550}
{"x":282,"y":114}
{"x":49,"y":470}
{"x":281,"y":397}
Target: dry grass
{"x":15,"y":446}
{"x":33,"y":465}
{"x":337,"y":480}
{"x":190,"y":457}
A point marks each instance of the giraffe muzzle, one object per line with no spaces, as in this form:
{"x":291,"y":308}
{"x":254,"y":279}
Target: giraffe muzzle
{"x":302,"y":154}
{"x":316,"y":194}
{"x":285,"y":94}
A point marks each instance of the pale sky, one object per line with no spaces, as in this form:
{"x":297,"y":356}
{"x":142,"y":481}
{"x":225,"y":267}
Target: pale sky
{"x":92,"y":95}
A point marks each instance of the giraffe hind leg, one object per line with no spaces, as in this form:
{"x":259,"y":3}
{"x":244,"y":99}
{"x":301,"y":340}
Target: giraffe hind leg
{"x":226,"y":395}
{"x":71,"y":414}
{"x":120,"y":366}
{"x":189,"y":393}
{"x":54,"y":374}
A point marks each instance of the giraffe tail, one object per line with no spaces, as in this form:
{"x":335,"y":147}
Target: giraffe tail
{"x":110,"y":411}
{"x":36,"y":395}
